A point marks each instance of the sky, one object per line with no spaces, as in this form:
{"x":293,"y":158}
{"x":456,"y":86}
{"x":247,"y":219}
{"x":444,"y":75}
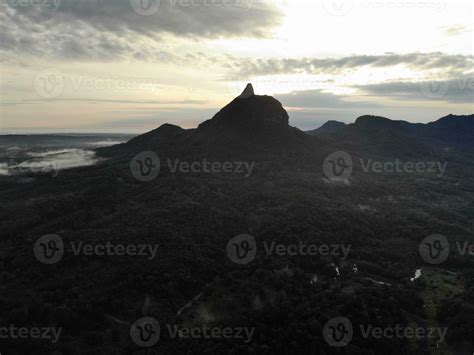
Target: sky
{"x":129,"y":66}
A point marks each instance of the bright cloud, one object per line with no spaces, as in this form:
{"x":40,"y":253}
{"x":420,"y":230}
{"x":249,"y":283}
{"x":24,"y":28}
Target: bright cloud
{"x":122,"y":66}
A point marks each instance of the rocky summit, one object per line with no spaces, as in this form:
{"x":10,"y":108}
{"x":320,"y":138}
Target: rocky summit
{"x":248,"y":92}
{"x":250,"y":113}
{"x":248,"y":123}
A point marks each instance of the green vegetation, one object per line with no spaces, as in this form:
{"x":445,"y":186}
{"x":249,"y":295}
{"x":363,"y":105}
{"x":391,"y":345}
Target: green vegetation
{"x":287,"y":199}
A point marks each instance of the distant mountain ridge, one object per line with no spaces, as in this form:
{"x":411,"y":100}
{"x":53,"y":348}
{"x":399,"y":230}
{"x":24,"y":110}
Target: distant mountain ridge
{"x":252,"y":125}
{"x":328,"y":128}
{"x":374,"y":122}
{"x":457,"y":131}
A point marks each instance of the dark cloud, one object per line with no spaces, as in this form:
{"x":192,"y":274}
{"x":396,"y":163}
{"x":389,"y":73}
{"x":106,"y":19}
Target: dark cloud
{"x":454,"y":90}
{"x":93,"y":101}
{"x":318,"y":99}
{"x":105,"y":29}
{"x":210,"y":18}
{"x":246,"y":67}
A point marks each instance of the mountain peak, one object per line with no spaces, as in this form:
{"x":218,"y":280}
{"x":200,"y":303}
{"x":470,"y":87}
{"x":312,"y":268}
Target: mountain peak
{"x":330,"y":127}
{"x":452,"y":117}
{"x":370,"y":119}
{"x":255,"y":114}
{"x":378,"y":122}
{"x":248,"y":92}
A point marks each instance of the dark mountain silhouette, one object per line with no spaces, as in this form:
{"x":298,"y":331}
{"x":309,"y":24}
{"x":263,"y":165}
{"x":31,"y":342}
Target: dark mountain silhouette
{"x":449,"y":132}
{"x":165,"y":134}
{"x":250,"y":114}
{"x":369,"y":122}
{"x":253,"y":126}
{"x":329,"y":127}
{"x":287,"y":199}
{"x":249,"y":124}
{"x":456,"y":130}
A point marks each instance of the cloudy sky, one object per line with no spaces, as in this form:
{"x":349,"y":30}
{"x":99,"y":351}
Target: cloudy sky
{"x":132,"y":65}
